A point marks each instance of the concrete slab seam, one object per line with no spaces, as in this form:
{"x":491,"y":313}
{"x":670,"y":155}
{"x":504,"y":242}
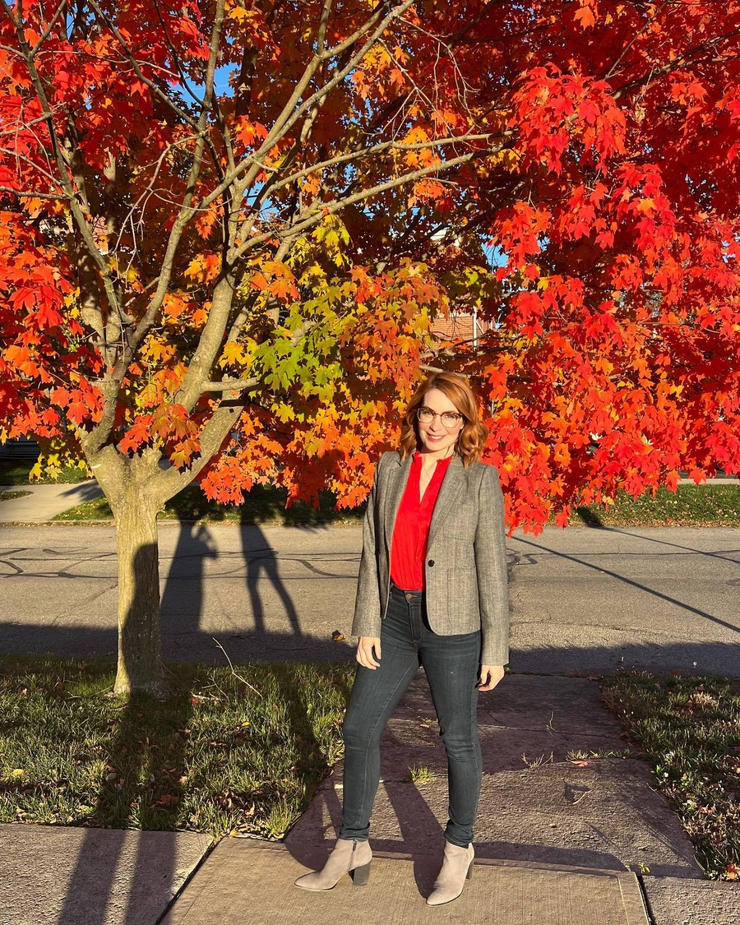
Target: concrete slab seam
{"x":630,"y":911}
{"x":206,"y":854}
{"x":646,"y":900}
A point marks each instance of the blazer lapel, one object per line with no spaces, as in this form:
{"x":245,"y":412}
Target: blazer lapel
{"x":394,"y":494}
{"x":448,"y":492}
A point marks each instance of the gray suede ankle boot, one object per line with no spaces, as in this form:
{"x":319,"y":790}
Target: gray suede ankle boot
{"x":348,"y":857}
{"x":457,"y":867}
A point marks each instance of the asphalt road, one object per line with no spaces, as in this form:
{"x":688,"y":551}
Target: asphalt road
{"x":582,"y":599}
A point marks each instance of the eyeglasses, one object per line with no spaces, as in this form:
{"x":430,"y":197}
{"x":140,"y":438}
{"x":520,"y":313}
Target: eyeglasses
{"x":449,"y":418}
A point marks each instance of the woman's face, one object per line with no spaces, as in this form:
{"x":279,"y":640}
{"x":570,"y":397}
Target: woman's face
{"x":436,"y":437}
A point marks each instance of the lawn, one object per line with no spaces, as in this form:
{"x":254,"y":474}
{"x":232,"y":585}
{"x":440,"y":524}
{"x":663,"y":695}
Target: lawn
{"x":691,"y":506}
{"x":229,"y":752}
{"x":15,"y":472}
{"x":688,"y":729}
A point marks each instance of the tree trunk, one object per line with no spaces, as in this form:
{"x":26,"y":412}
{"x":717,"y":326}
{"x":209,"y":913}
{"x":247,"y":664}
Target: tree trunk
{"x":139,"y":641}
{"x":137,"y":489}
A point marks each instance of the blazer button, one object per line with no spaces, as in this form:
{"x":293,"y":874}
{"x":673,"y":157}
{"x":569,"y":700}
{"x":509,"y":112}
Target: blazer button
{"x":431,"y":562}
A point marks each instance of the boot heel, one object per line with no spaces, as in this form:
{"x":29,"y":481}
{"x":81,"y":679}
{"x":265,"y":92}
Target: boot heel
{"x":469,"y":875}
{"x":360,"y":875}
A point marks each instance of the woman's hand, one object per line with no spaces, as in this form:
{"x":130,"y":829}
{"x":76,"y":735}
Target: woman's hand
{"x":490,"y":675}
{"x":364,"y":654}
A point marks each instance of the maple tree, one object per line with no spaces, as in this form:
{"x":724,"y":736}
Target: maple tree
{"x":228,"y":227}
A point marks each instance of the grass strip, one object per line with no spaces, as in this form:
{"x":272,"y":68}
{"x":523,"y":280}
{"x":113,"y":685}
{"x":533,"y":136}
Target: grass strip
{"x":16,"y":472}
{"x":692,"y":505}
{"x":11,"y":495}
{"x":263,"y":505}
{"x":689,"y":731}
{"x":230,"y":752}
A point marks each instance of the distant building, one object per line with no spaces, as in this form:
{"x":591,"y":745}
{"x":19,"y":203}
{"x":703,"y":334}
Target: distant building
{"x":461,"y":326}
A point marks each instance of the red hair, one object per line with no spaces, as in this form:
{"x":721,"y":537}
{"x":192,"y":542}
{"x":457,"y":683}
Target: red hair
{"x":472,"y":439}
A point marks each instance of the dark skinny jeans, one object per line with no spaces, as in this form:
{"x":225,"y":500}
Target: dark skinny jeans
{"x":452,"y":666}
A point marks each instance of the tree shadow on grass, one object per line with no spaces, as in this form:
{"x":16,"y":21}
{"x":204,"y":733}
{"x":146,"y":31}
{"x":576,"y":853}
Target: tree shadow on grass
{"x":141,"y":789}
{"x":134,"y":868}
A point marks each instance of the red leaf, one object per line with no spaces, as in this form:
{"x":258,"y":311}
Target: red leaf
{"x":138,"y":434}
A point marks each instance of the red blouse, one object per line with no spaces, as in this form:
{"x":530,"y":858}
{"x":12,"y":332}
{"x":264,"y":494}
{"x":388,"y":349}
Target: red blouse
{"x":411,"y":529}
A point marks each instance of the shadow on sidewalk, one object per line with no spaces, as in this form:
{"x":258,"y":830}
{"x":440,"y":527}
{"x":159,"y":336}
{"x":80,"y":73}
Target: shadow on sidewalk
{"x":139,"y":789}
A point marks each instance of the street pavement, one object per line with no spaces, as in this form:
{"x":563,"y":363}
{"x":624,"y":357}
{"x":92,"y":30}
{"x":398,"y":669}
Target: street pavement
{"x":583,"y":600}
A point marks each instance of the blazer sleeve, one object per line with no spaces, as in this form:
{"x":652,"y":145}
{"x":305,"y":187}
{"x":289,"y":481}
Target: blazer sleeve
{"x":490,"y":561}
{"x":367,"y":618}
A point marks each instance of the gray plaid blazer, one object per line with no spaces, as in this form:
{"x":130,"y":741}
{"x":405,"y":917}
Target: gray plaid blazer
{"x":465,"y":568}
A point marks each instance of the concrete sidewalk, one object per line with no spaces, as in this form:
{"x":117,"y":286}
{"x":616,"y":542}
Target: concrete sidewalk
{"x":562,"y":838}
{"x":558,"y":841}
{"x":46,"y":501}
{"x":52,"y":875}
{"x":245,"y":881}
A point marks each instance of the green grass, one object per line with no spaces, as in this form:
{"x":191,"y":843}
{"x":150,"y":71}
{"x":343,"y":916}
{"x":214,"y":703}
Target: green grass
{"x":15,"y":472}
{"x":421,"y":775}
{"x":89,"y":510}
{"x":218,"y":757}
{"x":262,"y":505}
{"x":10,"y":495}
{"x":689,"y":731}
{"x":691,"y":505}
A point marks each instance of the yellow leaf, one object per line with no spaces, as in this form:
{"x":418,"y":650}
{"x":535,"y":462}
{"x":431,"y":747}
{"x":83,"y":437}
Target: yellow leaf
{"x":232,"y":353}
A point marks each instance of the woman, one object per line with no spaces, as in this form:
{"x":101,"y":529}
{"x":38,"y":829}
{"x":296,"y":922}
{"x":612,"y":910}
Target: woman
{"x":435,"y":596}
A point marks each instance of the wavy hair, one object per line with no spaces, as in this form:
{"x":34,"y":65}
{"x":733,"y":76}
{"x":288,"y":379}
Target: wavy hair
{"x":471,"y":442}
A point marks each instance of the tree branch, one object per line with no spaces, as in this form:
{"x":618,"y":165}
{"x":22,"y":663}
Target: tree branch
{"x":34,"y":194}
{"x":682,"y":61}
{"x":315,"y":215}
{"x":291,"y":112}
{"x":231,"y":385}
{"x":186,"y":211}
{"x":47,"y":31}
